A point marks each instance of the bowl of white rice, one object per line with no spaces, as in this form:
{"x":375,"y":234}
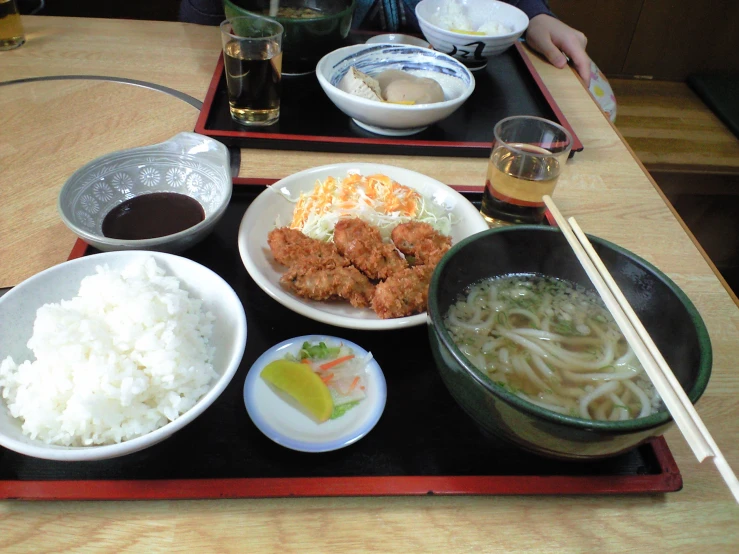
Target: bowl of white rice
{"x":471,"y":30}
{"x":109,"y":354}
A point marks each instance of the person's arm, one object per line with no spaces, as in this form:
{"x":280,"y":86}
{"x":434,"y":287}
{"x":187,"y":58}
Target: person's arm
{"x":532,"y":8}
{"x":554,"y":39}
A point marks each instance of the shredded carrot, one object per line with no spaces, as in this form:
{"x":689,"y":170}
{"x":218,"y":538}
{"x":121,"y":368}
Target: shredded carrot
{"x":354,"y":383}
{"x":305,"y":361}
{"x":337,"y":361}
{"x":326,"y":378}
{"x":378,"y":192}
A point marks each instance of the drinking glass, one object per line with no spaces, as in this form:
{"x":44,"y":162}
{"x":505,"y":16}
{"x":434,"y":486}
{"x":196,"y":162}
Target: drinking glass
{"x":252,"y":56}
{"x":11,"y":28}
{"x":527,"y":157}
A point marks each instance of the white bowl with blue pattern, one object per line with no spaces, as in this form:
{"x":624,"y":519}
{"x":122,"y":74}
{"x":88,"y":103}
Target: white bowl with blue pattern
{"x":188,"y":163}
{"x":471,"y":49}
{"x":385,"y":118}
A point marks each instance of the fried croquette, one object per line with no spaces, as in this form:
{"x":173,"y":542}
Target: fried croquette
{"x":403,"y":293}
{"x":290,"y":246}
{"x":421,"y":241}
{"x":346,"y":268}
{"x":323,"y":283}
{"x":362,"y":245}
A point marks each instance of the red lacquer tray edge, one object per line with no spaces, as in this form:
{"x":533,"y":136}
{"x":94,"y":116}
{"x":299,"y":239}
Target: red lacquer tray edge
{"x":200,"y":127}
{"x":182,"y":489}
{"x":577,"y":146}
{"x":668,"y":480}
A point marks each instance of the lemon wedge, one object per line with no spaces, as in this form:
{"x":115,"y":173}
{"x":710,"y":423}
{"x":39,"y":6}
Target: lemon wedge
{"x":305,"y":387}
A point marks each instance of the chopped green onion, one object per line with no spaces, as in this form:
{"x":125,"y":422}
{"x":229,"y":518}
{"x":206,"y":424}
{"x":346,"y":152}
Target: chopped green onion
{"x":317,"y":351}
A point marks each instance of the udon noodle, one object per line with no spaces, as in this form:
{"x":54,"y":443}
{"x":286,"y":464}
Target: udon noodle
{"x":554,"y":344}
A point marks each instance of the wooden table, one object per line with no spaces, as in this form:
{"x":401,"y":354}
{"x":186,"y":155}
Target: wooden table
{"x":50,"y":128}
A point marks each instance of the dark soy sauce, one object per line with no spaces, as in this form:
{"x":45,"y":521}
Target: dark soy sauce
{"x":152,"y":215}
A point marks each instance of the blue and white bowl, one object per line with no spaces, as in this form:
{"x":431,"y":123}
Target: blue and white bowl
{"x":385,"y":118}
{"x":471,"y":49}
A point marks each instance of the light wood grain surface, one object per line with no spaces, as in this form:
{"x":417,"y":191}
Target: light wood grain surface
{"x":48,"y":131}
{"x":58,"y":127}
{"x":670,"y":128}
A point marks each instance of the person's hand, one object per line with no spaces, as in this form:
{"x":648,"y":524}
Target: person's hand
{"x":550,"y":37}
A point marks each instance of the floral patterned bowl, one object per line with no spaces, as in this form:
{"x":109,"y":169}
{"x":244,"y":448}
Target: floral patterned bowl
{"x":187,"y":163}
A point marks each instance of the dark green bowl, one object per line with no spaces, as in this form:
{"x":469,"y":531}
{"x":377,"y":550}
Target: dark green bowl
{"x":305,"y":40}
{"x":666,"y":312}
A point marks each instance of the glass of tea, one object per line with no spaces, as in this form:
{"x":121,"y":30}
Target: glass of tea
{"x":11,"y":28}
{"x":252,"y":56}
{"x":526,"y":160}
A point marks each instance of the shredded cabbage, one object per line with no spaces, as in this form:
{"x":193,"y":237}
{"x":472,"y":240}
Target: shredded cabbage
{"x":376,"y":199}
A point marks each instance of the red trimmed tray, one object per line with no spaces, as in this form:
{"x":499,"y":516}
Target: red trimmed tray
{"x":509,"y":85}
{"x":417,"y":448}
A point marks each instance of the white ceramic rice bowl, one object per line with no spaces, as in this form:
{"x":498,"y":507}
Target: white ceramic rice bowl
{"x":271,"y":209}
{"x":18,"y":312}
{"x":395,"y":119}
{"x":472,"y":47}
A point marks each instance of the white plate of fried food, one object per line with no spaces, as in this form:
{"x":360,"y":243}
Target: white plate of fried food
{"x":354,"y":244}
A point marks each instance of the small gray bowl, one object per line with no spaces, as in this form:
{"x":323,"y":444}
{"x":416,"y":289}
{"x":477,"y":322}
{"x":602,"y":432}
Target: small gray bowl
{"x":187,"y":163}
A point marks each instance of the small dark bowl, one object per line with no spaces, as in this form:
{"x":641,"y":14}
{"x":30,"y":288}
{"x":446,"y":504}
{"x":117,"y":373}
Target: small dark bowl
{"x":305,"y":40}
{"x":666,"y":312}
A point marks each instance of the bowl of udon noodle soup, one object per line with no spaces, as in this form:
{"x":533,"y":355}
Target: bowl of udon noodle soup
{"x":313,"y":28}
{"x":526,"y":347}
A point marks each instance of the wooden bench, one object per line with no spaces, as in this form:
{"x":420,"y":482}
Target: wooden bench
{"x":672,"y":130}
{"x":692,"y":156}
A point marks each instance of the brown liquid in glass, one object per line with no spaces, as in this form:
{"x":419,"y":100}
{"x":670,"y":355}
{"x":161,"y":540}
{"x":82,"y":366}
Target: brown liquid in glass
{"x":152,"y":215}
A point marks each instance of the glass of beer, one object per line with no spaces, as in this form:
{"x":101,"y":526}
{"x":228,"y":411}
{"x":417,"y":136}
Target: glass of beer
{"x":252,"y":56}
{"x":11,"y":28}
{"x":527,"y":157}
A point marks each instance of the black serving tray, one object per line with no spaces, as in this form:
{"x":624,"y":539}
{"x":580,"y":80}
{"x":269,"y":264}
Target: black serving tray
{"x":423,"y":444}
{"x":508,"y":85}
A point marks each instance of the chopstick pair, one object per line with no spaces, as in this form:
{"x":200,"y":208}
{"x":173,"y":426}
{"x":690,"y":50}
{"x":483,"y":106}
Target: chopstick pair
{"x":677,"y":402}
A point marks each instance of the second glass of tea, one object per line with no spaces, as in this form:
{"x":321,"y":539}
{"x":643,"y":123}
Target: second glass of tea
{"x":527,"y":158}
{"x":11,"y":28}
{"x":252,"y":57}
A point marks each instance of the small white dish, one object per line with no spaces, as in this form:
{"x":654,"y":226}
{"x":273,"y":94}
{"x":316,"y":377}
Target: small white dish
{"x":272,"y":209}
{"x":288,"y":426}
{"x":396,"y":38}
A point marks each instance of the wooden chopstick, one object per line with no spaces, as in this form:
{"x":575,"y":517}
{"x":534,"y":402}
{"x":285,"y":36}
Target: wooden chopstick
{"x":677,"y":402}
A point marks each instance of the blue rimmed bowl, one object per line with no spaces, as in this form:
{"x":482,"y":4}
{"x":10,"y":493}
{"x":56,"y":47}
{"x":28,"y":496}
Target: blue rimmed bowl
{"x":385,"y":118}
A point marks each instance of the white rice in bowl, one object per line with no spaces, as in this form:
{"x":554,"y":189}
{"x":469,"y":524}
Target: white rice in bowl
{"x":127,"y":355}
{"x":453,"y":17}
